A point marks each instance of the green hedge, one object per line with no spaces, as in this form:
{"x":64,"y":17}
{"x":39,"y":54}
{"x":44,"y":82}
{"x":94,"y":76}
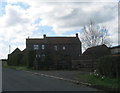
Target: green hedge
{"x":17,"y":60}
{"x":24,"y":60}
{"x":31,"y":58}
{"x":109,"y":66}
{"x":14,"y":60}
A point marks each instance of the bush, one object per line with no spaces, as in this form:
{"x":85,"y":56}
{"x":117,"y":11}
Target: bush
{"x":31,"y":58}
{"x":109,"y":66}
{"x":24,"y":60}
{"x":17,"y":60}
{"x":14,"y":60}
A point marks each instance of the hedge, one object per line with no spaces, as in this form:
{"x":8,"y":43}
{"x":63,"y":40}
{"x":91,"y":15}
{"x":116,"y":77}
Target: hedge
{"x":109,"y":66}
{"x":14,"y":60}
{"x":31,"y":58}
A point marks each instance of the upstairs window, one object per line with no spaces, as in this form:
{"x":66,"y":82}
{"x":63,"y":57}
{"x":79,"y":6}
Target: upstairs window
{"x":36,"y":47}
{"x":43,"y":47}
{"x":55,"y":47}
{"x":63,"y":47}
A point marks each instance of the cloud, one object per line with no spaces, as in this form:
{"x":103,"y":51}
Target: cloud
{"x":65,"y":17}
{"x":18,"y":23}
{"x":3,"y":50}
{"x":74,"y":17}
{"x":113,"y":31}
{"x":15,"y":27}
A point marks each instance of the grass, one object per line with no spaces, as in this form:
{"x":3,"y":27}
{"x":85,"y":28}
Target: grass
{"x":24,"y":68}
{"x":18,"y":67}
{"x":106,"y":84}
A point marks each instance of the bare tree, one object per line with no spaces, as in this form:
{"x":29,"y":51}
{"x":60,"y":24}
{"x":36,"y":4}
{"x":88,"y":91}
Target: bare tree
{"x":94,"y":35}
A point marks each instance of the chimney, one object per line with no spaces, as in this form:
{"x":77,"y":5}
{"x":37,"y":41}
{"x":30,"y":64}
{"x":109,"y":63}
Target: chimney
{"x":77,"y":35}
{"x":44,"y":36}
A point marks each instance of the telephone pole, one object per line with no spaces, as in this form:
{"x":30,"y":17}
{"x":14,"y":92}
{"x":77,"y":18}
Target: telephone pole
{"x":9,"y":49}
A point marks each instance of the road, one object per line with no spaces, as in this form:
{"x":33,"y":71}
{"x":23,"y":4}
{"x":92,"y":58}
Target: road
{"x":69,"y":74}
{"x":0,"y":76}
{"x":14,"y":80}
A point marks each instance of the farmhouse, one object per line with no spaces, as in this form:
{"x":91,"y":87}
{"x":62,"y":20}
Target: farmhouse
{"x":59,"y":53}
{"x":51,"y":52}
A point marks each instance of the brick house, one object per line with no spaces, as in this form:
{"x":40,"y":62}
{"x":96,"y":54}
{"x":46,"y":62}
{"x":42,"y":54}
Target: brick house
{"x":88,"y":60}
{"x":115,"y":50}
{"x":52,"y":52}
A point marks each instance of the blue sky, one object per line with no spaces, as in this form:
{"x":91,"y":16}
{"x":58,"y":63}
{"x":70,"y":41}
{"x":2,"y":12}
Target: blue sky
{"x":22,"y":18}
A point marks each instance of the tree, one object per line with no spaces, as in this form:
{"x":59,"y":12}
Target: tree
{"x":94,"y":35}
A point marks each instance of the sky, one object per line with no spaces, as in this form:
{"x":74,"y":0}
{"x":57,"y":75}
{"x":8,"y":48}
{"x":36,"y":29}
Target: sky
{"x":22,"y":18}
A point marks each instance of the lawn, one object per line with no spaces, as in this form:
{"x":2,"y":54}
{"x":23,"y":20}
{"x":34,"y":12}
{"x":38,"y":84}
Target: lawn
{"x":18,"y":67}
{"x":105,"y":83}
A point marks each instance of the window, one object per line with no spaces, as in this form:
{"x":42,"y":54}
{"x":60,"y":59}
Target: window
{"x":37,"y":55}
{"x":43,"y":47}
{"x":63,"y":47}
{"x":43,"y":57}
{"x":36,"y":47}
{"x":55,"y":47}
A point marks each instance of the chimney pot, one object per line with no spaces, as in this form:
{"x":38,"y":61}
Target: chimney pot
{"x":77,"y":35}
{"x":44,"y":35}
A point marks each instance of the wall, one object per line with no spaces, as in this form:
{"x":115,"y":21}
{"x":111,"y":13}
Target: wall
{"x":115,"y":50}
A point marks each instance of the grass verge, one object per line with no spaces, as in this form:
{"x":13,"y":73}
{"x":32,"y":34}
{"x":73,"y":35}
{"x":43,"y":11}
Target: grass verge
{"x":106,"y":84}
{"x":24,"y":68}
{"x":18,"y":67}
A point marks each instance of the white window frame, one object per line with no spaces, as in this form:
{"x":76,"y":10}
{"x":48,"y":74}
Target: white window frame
{"x":55,"y":47}
{"x":37,"y":55}
{"x":36,"y":47}
{"x":43,"y":46}
{"x":64,"y":48}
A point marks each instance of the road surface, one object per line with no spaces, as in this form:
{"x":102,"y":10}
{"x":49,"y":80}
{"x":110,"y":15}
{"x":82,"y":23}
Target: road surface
{"x":14,"y":80}
{"x":0,"y":76}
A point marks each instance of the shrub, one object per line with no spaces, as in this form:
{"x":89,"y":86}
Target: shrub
{"x":14,"y":60}
{"x":31,"y":58}
{"x":109,"y":66}
{"x":24,"y":60}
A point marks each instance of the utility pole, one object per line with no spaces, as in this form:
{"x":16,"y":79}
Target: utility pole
{"x":9,"y":49}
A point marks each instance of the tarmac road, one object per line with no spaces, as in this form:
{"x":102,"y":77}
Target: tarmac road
{"x":14,"y":80}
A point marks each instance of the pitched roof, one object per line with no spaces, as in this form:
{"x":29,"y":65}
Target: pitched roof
{"x":96,"y":49}
{"x":34,"y":40}
{"x":95,"y":52}
{"x":54,"y":40}
{"x":16,"y":51}
{"x":62,"y":40}
{"x":24,"y":51}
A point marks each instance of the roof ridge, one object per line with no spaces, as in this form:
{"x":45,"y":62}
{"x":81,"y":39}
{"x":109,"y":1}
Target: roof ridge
{"x":60,"y":37}
{"x":35,"y":38}
{"x":97,"y":46}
